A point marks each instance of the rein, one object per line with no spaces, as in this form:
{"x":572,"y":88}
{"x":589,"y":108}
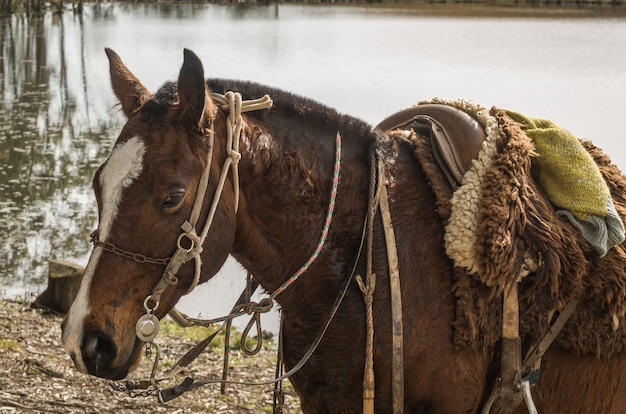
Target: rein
{"x":147,"y":326}
{"x":189,"y":246}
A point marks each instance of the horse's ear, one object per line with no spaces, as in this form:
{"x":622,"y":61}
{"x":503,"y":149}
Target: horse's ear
{"x":130,"y":92}
{"x":192,"y":91}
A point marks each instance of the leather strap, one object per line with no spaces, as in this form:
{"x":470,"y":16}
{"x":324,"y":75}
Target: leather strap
{"x":397,"y":350}
{"x":516,"y":376}
{"x":378,"y":201}
{"x":511,"y":360}
{"x":505,"y":396}
{"x":194,"y":352}
{"x":535,"y":354}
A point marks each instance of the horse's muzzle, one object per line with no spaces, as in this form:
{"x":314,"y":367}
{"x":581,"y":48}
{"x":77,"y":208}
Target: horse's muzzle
{"x":99,"y":351}
{"x":101,"y":356}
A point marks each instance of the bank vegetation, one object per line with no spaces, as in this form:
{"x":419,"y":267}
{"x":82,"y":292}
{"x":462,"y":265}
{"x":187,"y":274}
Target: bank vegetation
{"x":76,"y":6}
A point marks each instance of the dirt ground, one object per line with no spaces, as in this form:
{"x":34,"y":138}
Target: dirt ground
{"x":36,"y":376}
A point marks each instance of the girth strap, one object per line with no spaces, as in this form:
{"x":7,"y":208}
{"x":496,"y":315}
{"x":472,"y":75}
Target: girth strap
{"x":518,"y":376}
{"x":511,"y":349}
{"x":535,"y":354}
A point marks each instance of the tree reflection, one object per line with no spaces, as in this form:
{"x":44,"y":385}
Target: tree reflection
{"x":50,"y":146}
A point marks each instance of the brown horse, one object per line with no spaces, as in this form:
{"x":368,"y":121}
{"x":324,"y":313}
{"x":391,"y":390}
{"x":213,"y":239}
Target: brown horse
{"x":147,"y":187}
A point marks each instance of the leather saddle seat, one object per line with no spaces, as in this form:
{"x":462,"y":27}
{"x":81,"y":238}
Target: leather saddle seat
{"x":457,"y":137}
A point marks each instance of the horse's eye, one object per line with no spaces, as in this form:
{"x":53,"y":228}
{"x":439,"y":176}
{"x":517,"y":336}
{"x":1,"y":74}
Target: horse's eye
{"x":174,"y":198}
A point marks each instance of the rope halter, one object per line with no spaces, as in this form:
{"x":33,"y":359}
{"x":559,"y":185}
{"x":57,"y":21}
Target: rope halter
{"x":189,"y":242}
{"x":189,"y":247}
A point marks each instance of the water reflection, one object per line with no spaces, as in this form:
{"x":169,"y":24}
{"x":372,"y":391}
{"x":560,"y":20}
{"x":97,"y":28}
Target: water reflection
{"x":51,"y":141}
{"x":58,"y":117}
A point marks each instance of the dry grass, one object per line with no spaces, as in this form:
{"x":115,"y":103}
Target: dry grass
{"x":36,"y":376}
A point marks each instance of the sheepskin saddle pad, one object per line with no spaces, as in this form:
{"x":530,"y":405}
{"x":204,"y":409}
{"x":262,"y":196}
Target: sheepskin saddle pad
{"x":532,"y":193}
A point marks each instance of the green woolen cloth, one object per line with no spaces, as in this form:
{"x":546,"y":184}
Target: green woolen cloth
{"x":573,"y":182}
{"x":564,"y":169}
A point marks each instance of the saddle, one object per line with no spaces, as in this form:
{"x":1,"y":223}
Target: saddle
{"x":456,"y":135}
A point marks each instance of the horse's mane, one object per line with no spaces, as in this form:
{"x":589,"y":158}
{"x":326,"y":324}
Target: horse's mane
{"x":158,"y":104}
{"x":292,"y":106}
{"x":287,"y":104}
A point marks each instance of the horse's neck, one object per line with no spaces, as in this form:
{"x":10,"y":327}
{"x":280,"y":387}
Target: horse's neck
{"x":285,"y":192}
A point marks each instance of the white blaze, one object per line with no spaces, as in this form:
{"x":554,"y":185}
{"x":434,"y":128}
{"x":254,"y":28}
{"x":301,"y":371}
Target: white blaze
{"x":123,"y":166}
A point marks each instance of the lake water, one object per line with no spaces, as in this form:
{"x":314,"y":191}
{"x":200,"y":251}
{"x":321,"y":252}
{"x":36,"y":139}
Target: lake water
{"x":58,"y":116}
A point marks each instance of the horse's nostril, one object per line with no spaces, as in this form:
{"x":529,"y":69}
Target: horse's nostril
{"x":98,"y":350}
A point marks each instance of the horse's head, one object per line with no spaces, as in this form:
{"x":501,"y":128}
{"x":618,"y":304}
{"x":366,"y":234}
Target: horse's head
{"x":146,"y":190}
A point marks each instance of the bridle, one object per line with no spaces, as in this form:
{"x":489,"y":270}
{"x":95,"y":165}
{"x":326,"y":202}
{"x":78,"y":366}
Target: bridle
{"x":189,"y":246}
{"x":189,"y":242}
